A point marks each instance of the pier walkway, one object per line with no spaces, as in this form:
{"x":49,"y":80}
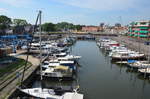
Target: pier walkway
{"x":9,"y":86}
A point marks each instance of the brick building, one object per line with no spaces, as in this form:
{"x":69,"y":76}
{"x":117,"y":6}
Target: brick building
{"x":92,"y":29}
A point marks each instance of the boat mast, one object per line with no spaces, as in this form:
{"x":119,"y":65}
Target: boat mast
{"x":28,"y":49}
{"x":40,"y":34}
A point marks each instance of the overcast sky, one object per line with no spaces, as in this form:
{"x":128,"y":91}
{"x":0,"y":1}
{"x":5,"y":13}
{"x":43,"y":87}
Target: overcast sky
{"x":88,"y":12}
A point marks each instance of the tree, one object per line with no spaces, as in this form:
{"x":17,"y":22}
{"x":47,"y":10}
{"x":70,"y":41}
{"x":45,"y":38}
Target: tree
{"x":64,"y":26}
{"x":19,"y":22}
{"x":78,"y":27}
{"x":47,"y":27}
{"x":4,"y":22}
{"x":19,"y":26}
{"x":60,"y":27}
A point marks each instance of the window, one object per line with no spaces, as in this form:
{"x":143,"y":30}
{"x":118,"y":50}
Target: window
{"x":143,"y":23}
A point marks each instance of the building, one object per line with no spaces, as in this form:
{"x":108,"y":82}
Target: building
{"x":102,"y":24}
{"x":5,"y":51}
{"x":140,"y":29}
{"x":117,"y":25}
{"x":23,"y":29}
{"x":92,"y":29}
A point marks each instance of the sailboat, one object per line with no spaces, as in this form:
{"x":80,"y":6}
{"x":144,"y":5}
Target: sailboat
{"x":45,"y":93}
{"x":51,"y":93}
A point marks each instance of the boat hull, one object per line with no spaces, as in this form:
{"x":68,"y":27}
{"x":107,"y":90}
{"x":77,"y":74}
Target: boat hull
{"x":127,"y":58}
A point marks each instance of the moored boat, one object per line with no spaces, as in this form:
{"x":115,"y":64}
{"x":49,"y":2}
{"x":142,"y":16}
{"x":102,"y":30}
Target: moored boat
{"x":58,"y":72}
{"x":127,"y":55}
{"x":138,"y":64}
{"x":145,"y":71}
{"x":51,"y":93}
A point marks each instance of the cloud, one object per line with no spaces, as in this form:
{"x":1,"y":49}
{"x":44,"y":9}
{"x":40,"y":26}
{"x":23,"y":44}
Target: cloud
{"x":3,"y":11}
{"x":101,"y":4}
{"x":16,"y":3}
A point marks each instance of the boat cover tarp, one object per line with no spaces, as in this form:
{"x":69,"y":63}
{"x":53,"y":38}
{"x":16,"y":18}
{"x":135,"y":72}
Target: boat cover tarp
{"x":132,"y":61}
{"x":9,"y":37}
{"x":62,"y":67}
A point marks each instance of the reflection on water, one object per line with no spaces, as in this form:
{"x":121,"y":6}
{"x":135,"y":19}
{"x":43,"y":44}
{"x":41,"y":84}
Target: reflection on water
{"x":101,"y":79}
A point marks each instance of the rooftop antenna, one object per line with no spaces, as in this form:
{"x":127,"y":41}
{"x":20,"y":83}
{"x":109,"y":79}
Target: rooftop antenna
{"x":120,"y":20}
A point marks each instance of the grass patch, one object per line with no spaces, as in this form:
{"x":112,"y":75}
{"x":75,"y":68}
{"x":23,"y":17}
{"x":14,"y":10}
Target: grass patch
{"x":12,"y":67}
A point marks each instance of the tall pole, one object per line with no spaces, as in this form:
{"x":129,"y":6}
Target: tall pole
{"x":28,"y":50}
{"x":139,"y":41}
{"x":40,"y":29}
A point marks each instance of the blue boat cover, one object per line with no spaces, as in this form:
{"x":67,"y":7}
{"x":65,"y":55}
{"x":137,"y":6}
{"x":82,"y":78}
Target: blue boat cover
{"x":132,"y":61}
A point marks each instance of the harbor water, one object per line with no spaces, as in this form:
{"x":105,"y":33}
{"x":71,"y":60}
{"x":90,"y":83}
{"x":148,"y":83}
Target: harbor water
{"x":100,"y":79}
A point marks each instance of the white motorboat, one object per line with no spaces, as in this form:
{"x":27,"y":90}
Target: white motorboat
{"x":144,"y":71}
{"x":46,"y":64}
{"x":60,"y":54}
{"x":58,"y":72}
{"x":66,"y":56}
{"x":115,"y":50}
{"x":72,"y":57}
{"x":125,"y":55}
{"x":139,"y":64}
{"x":106,"y":43}
{"x":62,"y":62}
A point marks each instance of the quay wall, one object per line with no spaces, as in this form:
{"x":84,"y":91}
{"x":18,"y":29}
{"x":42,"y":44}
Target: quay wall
{"x":59,"y":35}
